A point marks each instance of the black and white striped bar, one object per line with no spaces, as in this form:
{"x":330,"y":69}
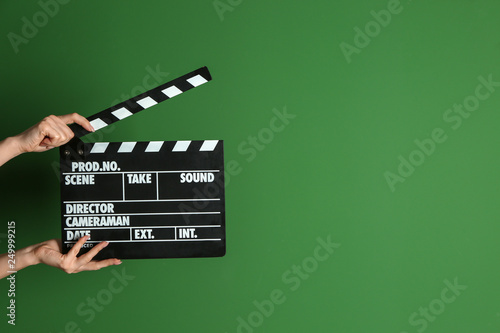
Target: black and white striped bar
{"x":145,"y":100}
{"x":151,"y":147}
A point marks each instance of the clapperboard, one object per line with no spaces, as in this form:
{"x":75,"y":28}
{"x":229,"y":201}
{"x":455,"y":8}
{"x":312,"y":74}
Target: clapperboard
{"x":157,"y":199}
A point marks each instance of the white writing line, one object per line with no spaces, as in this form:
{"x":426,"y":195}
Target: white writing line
{"x":157,"y":189}
{"x":166,"y":200}
{"x":123,"y":186}
{"x":143,"y":227}
{"x":125,"y":172}
{"x":186,"y":213}
{"x":153,"y":240}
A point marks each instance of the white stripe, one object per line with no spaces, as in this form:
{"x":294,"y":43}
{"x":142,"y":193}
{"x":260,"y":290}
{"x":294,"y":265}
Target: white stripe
{"x":127,"y":147}
{"x":197,"y":80}
{"x":122,"y":113}
{"x":172,"y":91}
{"x":154,"y":146}
{"x":181,"y":145}
{"x":98,"y":124}
{"x":99,"y":147}
{"x":209,"y":145}
{"x":147,"y":102}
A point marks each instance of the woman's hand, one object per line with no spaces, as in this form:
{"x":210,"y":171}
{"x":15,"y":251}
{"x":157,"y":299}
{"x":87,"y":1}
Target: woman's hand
{"x":50,"y":253}
{"x":51,"y":132}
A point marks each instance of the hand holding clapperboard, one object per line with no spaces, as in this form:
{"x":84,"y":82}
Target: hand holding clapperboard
{"x":157,"y":199}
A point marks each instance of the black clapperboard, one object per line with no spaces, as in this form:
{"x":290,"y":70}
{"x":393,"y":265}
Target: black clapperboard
{"x":157,"y":199}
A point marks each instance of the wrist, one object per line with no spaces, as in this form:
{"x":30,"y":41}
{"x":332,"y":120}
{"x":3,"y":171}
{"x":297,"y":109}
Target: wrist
{"x":12,"y":146}
{"x":15,"y":145}
{"x":26,"y":257}
{"x":9,"y":148}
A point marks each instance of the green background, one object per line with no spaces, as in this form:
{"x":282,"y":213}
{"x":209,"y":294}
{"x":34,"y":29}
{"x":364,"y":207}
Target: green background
{"x":322,"y":176}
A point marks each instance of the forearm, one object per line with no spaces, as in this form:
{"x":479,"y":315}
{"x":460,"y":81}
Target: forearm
{"x":9,"y":148}
{"x":23,"y":258}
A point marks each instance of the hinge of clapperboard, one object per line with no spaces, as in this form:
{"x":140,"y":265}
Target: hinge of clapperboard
{"x":76,"y":147}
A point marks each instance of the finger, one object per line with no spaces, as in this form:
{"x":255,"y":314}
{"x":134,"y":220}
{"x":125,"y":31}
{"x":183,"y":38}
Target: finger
{"x":57,"y":139}
{"x":76,"y":118}
{"x":45,"y":131}
{"x":78,"y":245}
{"x":43,"y":147}
{"x":45,"y":142}
{"x":85,"y":258}
{"x":53,"y":132}
{"x":64,"y":132}
{"x":64,"y":128}
{"x":95,"y":265}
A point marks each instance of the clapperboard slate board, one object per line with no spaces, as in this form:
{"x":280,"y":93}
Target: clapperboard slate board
{"x":157,"y":199}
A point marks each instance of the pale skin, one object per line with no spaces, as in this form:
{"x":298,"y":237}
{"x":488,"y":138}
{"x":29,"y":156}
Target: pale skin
{"x":51,"y":132}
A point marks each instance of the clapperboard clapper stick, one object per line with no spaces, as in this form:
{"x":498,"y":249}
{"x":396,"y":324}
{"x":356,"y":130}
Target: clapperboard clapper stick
{"x":156,"y":199}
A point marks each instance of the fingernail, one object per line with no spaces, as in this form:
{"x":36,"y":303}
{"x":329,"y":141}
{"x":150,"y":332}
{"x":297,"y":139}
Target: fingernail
{"x":118,"y":262}
{"x":106,"y":244}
